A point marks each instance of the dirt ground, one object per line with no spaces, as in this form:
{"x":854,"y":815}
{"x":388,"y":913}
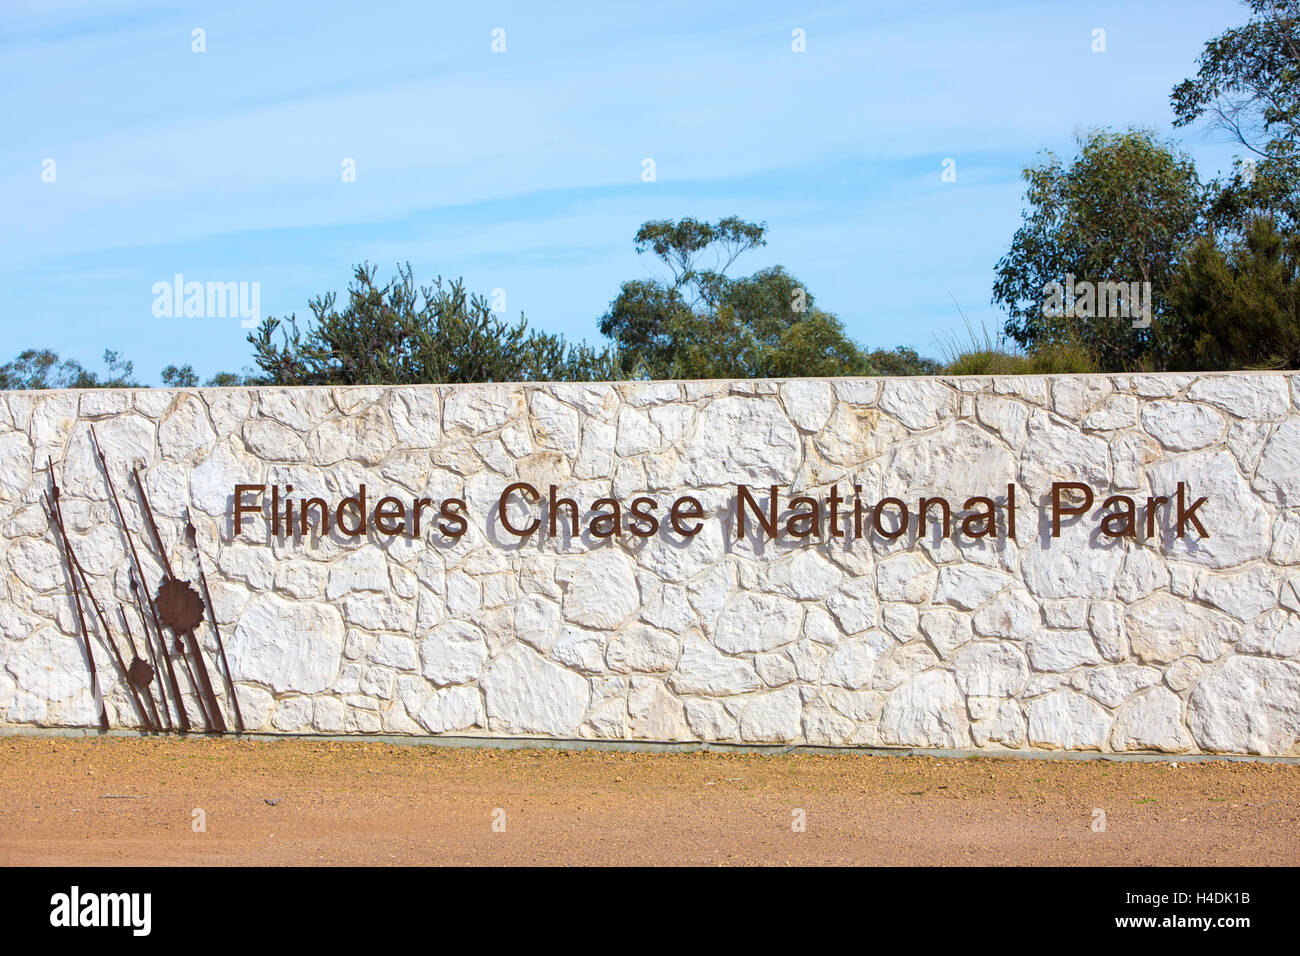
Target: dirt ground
{"x":88,"y":801}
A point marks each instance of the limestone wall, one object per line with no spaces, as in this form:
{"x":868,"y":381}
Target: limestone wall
{"x":1082,"y":642}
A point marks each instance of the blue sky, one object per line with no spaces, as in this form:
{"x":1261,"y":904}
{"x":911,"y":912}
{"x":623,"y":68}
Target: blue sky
{"x":522,"y":170}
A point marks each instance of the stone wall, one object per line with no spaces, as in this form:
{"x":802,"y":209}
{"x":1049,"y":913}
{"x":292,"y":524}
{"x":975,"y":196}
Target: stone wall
{"x":1078,"y":642}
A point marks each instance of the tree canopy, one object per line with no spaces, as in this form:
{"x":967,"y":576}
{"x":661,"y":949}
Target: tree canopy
{"x":41,"y":368}
{"x":401,"y":333}
{"x":1246,"y":85}
{"x":698,"y":322}
{"x":1123,"y":210}
{"x":1239,"y":307}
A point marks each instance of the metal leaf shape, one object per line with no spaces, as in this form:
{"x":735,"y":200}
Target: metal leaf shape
{"x":140,"y":673}
{"x":179,"y":605}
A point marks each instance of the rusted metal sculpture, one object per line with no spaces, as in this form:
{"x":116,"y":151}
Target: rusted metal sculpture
{"x":179,"y":605}
{"x":186,"y":613}
{"x":141,"y":673}
{"x":76,"y":567}
{"x":175,"y":601}
{"x":156,"y":645}
{"x":152,"y":651}
{"x":182,"y":717}
{"x":149,"y":650}
{"x":178,"y":650}
{"x":81,"y":617}
{"x":104,"y":628}
{"x":192,"y":533}
{"x":176,"y":608}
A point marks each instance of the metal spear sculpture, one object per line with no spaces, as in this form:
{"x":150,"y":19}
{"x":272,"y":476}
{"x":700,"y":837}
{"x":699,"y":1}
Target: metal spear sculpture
{"x":150,"y":648}
{"x":77,"y":569}
{"x":141,"y":673}
{"x":193,"y":535}
{"x":81,"y":618}
{"x":181,"y":609}
{"x":156,"y":646}
{"x":182,"y":716}
{"x":56,"y":517}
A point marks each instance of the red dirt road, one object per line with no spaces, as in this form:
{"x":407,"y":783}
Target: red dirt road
{"x":86,"y":801}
